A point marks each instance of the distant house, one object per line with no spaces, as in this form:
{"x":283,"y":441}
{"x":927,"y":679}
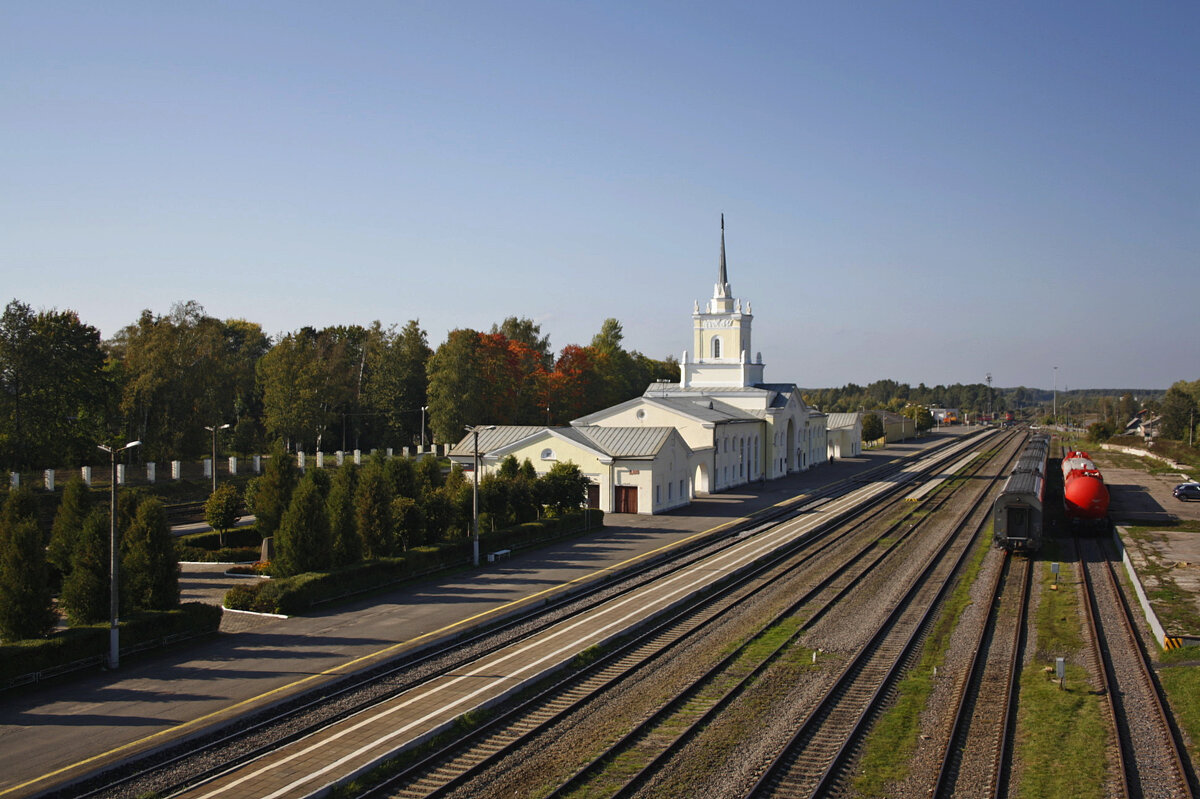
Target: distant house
{"x":1145,"y":424}
{"x":896,"y":427}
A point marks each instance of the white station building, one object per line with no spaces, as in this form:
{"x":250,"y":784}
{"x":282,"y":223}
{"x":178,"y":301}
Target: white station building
{"x":719,"y":427}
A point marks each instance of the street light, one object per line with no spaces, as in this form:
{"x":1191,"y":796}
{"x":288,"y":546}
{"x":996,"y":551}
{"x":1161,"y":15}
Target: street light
{"x":114,"y":560}
{"x":214,"y":430}
{"x":1056,"y":396}
{"x":475,"y":490}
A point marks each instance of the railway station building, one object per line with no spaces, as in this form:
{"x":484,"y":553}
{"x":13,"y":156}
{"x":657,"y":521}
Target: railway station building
{"x":719,"y":427}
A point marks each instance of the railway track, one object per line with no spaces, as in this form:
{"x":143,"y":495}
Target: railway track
{"x":975,"y":758}
{"x":814,"y":760}
{"x":1149,"y":756}
{"x":630,"y":762}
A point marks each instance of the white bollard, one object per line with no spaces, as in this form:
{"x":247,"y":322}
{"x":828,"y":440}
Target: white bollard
{"x":301,"y":460}
{"x":258,"y":464}
{"x":86,"y":474}
{"x":341,"y":457}
{"x":48,"y":478}
{"x":320,"y":459}
{"x":358,"y":457}
{"x":151,"y":472}
{"x":176,"y":470}
{"x":120,"y":474}
{"x":232,"y":465}
{"x":208,"y":467}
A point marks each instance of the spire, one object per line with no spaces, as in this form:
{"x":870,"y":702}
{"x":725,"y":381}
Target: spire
{"x":723,"y":279}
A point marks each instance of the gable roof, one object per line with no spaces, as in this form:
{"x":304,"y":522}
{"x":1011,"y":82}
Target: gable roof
{"x":610,"y":442}
{"x":696,"y":407}
{"x":838,"y":421}
{"x":498,"y":436}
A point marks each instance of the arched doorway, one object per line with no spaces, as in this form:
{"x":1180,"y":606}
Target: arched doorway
{"x":700,"y":483}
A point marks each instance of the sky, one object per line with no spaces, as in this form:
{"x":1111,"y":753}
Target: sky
{"x":922,"y":192}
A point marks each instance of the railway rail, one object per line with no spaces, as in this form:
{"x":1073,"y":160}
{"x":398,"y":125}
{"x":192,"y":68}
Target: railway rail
{"x":1150,"y":758}
{"x":814,"y":760}
{"x":975,"y":758}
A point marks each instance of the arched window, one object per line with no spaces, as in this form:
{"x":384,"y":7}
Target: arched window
{"x":716,"y":347}
{"x":548,"y":454}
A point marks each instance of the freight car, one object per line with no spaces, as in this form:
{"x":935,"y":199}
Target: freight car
{"x":1085,"y":497}
{"x":1017,"y":512}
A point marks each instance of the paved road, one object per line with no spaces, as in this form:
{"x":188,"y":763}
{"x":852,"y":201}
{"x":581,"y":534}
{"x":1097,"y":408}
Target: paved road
{"x":54,"y":734}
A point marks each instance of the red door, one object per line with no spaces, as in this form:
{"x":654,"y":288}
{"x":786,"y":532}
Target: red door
{"x":626,"y":499}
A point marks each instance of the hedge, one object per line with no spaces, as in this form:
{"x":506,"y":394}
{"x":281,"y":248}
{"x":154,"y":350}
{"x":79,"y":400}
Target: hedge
{"x":237,"y":537}
{"x":143,"y":630}
{"x":226,"y":555}
{"x":301,"y":592}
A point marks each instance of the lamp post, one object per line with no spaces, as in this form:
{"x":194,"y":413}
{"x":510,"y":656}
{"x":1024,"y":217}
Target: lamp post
{"x":114,"y":561}
{"x":1056,"y":396}
{"x":214,"y":430}
{"x":475,"y":490}
{"x":423,"y":409}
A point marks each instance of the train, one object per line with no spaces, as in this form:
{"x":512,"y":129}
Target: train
{"x":1085,"y":497}
{"x":1017,"y":514}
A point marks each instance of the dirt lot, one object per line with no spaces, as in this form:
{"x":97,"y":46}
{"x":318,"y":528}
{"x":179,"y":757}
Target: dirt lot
{"x":1167,"y":554}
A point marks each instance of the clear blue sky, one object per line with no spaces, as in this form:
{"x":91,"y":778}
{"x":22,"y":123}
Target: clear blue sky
{"x":925,"y":192}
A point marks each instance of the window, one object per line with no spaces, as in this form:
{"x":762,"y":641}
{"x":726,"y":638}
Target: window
{"x":657,"y":495}
{"x":716,"y":347}
{"x":670,"y":489}
{"x":548,"y":454}
{"x":641,"y":414}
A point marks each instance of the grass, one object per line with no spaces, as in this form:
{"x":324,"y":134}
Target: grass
{"x":1182,"y":684}
{"x":1061,"y":736}
{"x":1173,"y":605}
{"x":888,"y":751}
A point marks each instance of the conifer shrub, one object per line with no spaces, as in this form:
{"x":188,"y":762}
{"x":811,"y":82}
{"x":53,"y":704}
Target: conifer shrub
{"x":25,"y":601}
{"x":85,"y":592}
{"x":149,"y":565}
{"x":302,"y":543}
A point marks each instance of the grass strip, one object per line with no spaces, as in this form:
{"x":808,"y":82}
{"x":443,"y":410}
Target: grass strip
{"x":889,"y":747}
{"x":1182,"y":684}
{"x":1060,"y":736}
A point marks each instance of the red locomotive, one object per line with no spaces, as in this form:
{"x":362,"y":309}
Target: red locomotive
{"x":1085,"y":496}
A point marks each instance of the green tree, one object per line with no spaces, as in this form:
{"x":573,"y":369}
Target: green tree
{"x":85,"y":592}
{"x":456,"y":386}
{"x":395,"y":381}
{"x":343,"y":528}
{"x":409,"y":522}
{"x":309,"y":381}
{"x":564,"y":487}
{"x":872,"y":427}
{"x":270,"y":494}
{"x":302,"y":543}
{"x":1178,"y":412}
{"x":53,"y":388}
{"x":222,"y":508}
{"x":526,"y":332}
{"x":26,"y":610}
{"x":373,"y":513}
{"x":19,"y":506}
{"x":149,"y":566}
{"x":68,"y":521}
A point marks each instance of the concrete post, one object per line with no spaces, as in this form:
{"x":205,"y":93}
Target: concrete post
{"x":48,"y":478}
{"x":258,"y":464}
{"x":120,"y":474}
{"x":358,"y":457}
{"x":232,"y":465}
{"x":320,"y":459}
{"x":151,"y":472}
{"x":341,"y":457}
{"x":86,"y":474}
{"x":14,"y":479}
{"x":208,"y":467}
{"x":176,"y":470}
{"x":301,"y":460}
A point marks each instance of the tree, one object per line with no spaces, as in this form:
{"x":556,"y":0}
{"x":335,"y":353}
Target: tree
{"x":343,"y":529}
{"x":394,"y":387}
{"x":409,"y":522}
{"x":872,"y":427}
{"x":527,"y":333}
{"x":53,"y":387}
{"x":268,"y":496}
{"x":149,"y":565}
{"x":19,"y":506}
{"x":26,"y":610}
{"x":221,"y":509}
{"x":1178,"y":412}
{"x":302,"y":543}
{"x":72,"y":510}
{"x":85,"y":592}
{"x":564,"y":487}
{"x":373,"y":513}
{"x":183,"y":371}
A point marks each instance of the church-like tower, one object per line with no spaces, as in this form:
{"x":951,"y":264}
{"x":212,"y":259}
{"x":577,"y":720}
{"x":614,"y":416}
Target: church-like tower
{"x":721,"y":339}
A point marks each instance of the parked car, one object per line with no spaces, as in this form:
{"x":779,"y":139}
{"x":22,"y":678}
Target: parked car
{"x":1186,"y":491}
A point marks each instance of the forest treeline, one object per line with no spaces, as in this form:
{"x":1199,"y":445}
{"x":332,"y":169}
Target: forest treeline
{"x":165,"y":378}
